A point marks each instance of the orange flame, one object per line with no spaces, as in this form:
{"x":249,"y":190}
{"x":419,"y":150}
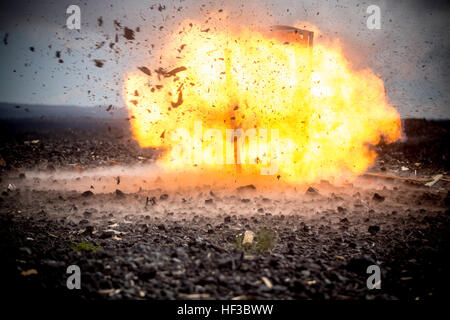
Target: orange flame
{"x":328,"y":115}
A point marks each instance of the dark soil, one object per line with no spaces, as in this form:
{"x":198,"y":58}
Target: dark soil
{"x":157,"y":243}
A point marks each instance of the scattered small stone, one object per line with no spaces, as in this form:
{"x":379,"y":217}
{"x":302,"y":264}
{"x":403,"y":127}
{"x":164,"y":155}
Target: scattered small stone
{"x":87,"y":214}
{"x":87,"y":194}
{"x":267,"y":282}
{"x":151,"y":200}
{"x":373,"y":229}
{"x":377,"y":197}
{"x":29,"y":272}
{"x":359,"y":264}
{"x":147,"y":272}
{"x":120,"y":194}
{"x":298,"y":286}
{"x":312,"y":191}
{"x":249,"y":187}
{"x":164,"y":196}
{"x":107,"y":235}
{"x":53,"y":263}
{"x":248,"y":238}
{"x":2,"y":161}
{"x":26,"y":250}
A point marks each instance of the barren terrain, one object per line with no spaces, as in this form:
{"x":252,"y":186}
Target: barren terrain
{"x":83,"y":192}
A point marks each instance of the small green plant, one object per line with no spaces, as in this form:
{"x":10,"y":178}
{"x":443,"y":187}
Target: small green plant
{"x":264,"y":241}
{"x":85,"y":246}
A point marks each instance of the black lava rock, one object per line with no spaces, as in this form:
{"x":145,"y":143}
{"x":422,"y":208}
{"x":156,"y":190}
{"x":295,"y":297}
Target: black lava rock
{"x":378,"y":198}
{"x":359,"y":264}
{"x":312,"y":192}
{"x":164,"y":196}
{"x":147,"y":272}
{"x":373,"y":229}
{"x":120,"y":194}
{"x":106,"y":235}
{"x":87,"y":194}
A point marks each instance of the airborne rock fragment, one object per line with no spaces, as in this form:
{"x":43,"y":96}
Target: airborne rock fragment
{"x":164,"y":196}
{"x":179,"y":101}
{"x":99,"y":63}
{"x":145,"y":70}
{"x":128,"y":33}
{"x":107,"y":234}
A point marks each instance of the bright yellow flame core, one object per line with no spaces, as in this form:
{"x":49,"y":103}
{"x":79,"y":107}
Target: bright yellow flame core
{"x":328,"y":114}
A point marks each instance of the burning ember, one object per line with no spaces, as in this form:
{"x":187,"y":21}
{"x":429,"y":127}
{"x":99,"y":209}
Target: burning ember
{"x":259,"y":104}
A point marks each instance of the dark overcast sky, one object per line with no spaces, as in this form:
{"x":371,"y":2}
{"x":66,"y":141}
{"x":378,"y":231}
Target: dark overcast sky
{"x":411,"y":52}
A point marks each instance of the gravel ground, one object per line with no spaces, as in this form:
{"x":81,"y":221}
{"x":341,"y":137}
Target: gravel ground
{"x":159,"y":243}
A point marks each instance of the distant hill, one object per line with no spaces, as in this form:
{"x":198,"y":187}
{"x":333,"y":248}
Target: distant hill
{"x":20,"y":111}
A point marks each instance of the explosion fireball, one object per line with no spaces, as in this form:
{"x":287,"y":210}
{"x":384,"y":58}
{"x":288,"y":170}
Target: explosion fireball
{"x":254,"y":98}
